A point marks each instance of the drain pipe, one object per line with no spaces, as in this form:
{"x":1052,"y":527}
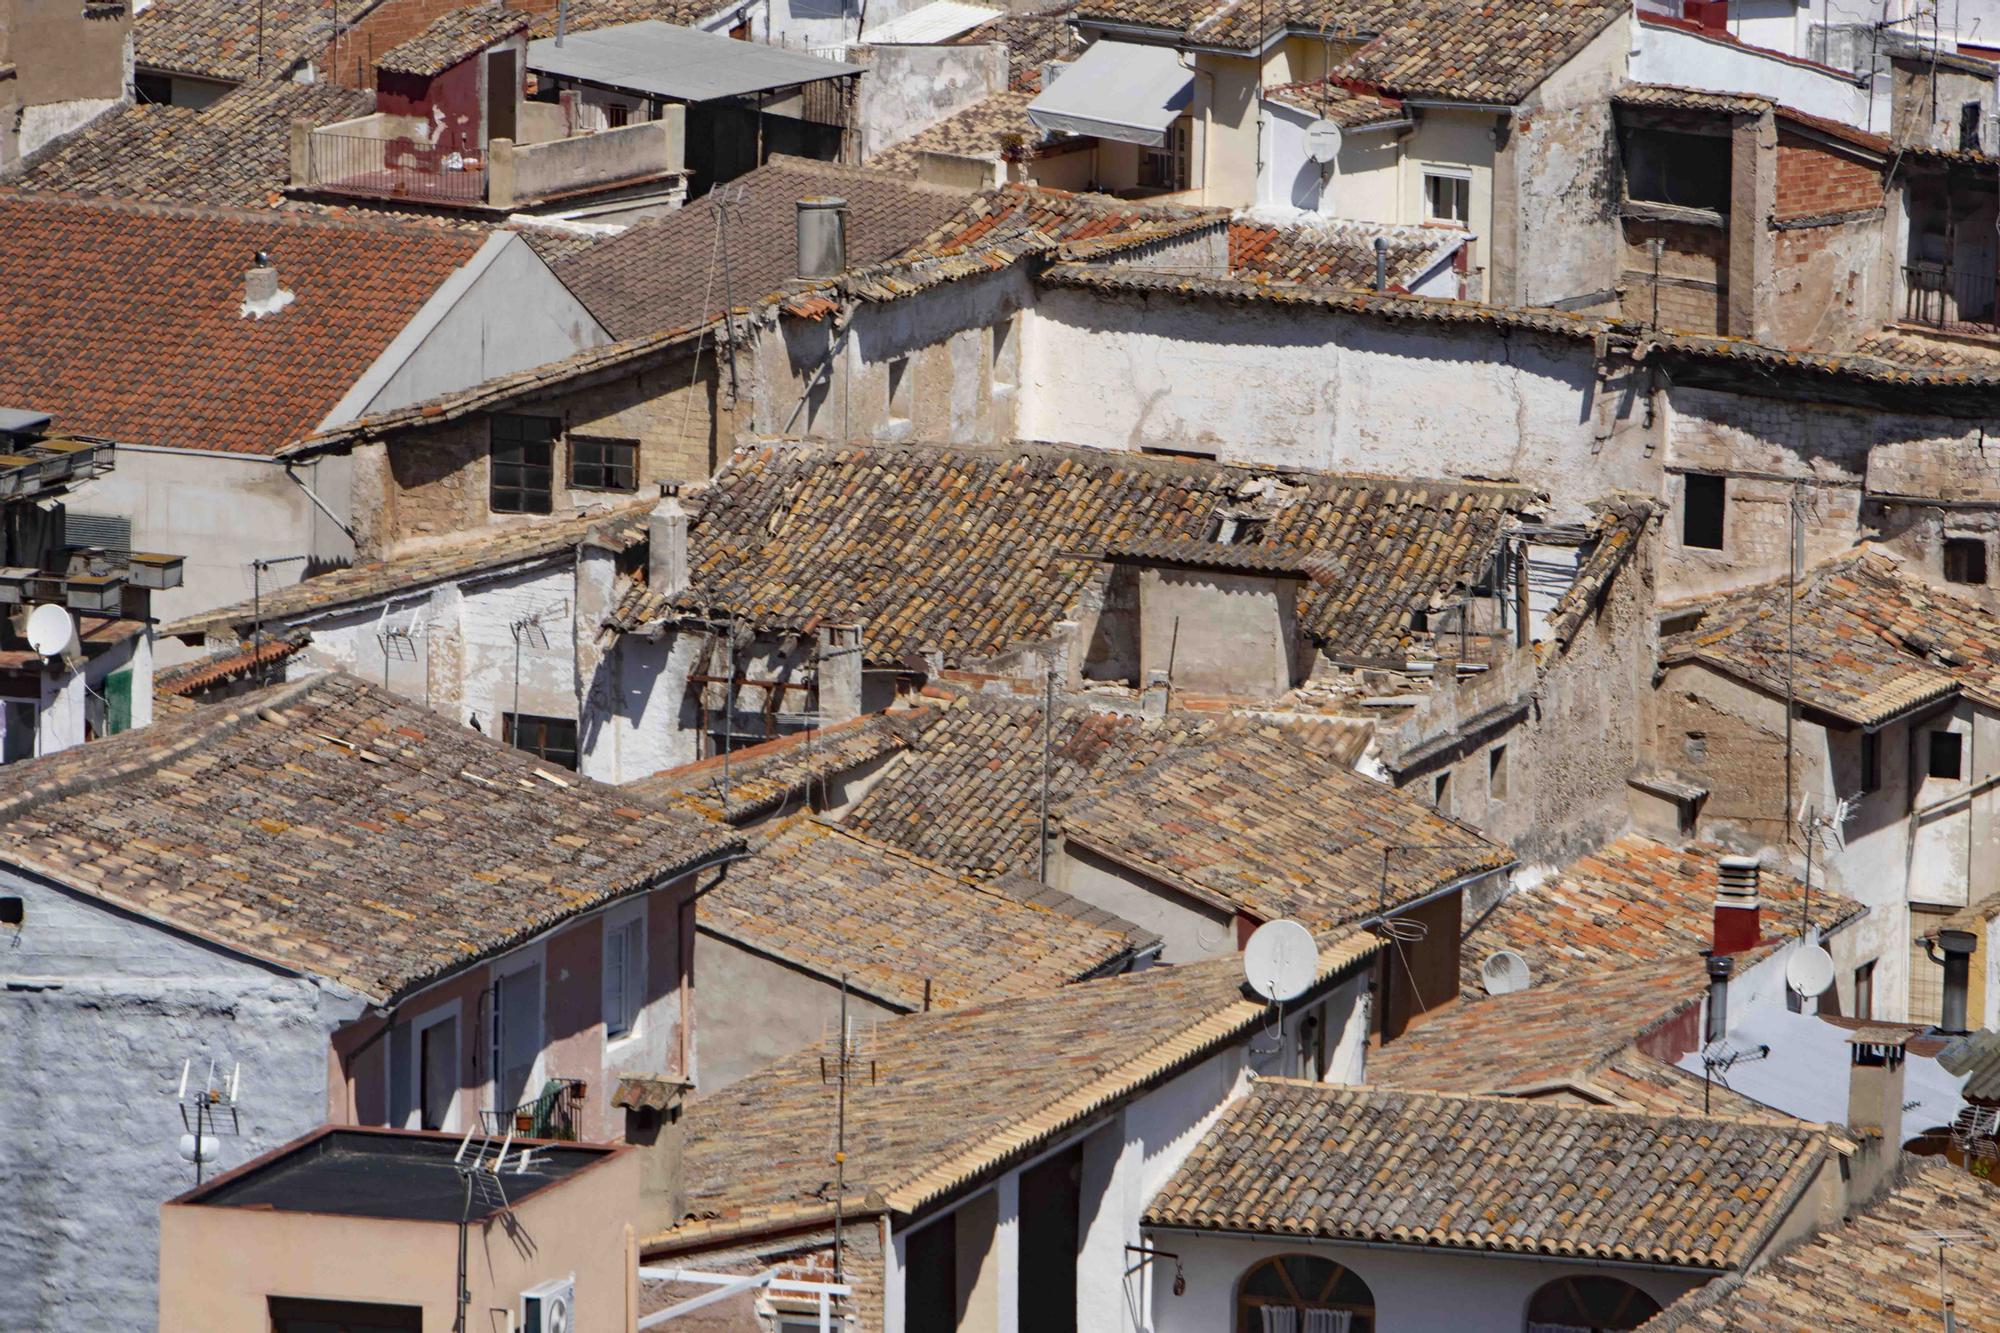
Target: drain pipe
{"x":1719,"y":969}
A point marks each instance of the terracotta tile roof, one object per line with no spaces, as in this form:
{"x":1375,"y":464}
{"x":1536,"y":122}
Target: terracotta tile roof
{"x":904,"y":930}
{"x":1261,"y":824}
{"x":325,"y":826}
{"x":218,"y":39}
{"x":1337,"y":253}
{"x":1929,"y":352}
{"x":996,"y":129}
{"x":587,"y":14}
{"x":956,"y":1093}
{"x":1475,"y":50}
{"x":1870,"y":1274}
{"x":229,"y":662}
{"x":451,"y":38}
{"x":234,"y":152}
{"x":1674,"y":98}
{"x":493,"y":548}
{"x":973,"y":551}
{"x":1972,"y":372}
{"x":89,"y":291}
{"x":656,"y":275}
{"x":1872,"y":641}
{"x":1239,"y":25}
{"x":1636,"y":900}
{"x":1032,"y":40}
{"x":1329,"y":99}
{"x":1449,"y":1172}
{"x":764,"y":777}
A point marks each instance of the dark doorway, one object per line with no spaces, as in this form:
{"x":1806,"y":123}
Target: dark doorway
{"x":930,"y":1277}
{"x":1051,"y":1203}
{"x":501,"y":90}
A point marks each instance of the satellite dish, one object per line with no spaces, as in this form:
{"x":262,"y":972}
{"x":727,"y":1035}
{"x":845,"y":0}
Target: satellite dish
{"x":1504,"y":972}
{"x":1810,"y":971}
{"x":1322,"y":141}
{"x":49,"y":629}
{"x":1280,"y":960}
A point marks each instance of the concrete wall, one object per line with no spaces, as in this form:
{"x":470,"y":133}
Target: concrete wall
{"x":1553,"y":232}
{"x":100,"y":1010}
{"x":1693,"y":60}
{"x":750,"y":1009}
{"x":1191,"y":930}
{"x":1217,"y":633}
{"x":71,"y":64}
{"x":910,"y":88}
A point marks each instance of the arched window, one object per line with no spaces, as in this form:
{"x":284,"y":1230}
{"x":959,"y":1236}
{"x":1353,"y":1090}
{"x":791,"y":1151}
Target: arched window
{"x":1589,"y":1305}
{"x":1303,"y":1293}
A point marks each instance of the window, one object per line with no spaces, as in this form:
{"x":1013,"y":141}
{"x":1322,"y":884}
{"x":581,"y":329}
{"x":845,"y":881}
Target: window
{"x":1448,"y":198}
{"x":1702,"y":503}
{"x":1441,"y":791}
{"x":1051,"y":1230}
{"x":617,"y":115}
{"x":1926,"y":977}
{"x":1947,"y":755}
{"x":550,"y":738}
{"x":1589,"y":1305}
{"x":18,"y":739}
{"x":1496,"y":773}
{"x":435,"y":1077}
{"x":1678,"y":170}
{"x":1864,"y":990}
{"x":12,"y":911}
{"x":1871,"y":762}
{"x":899,"y":389}
{"x":597,"y":464}
{"x":291,"y":1315}
{"x":1968,"y":127}
{"x":1282,"y":1293}
{"x":624,"y":972}
{"x":517,"y":1034}
{"x":1964,"y":560}
{"x":1166,"y":167}
{"x":523,"y":471}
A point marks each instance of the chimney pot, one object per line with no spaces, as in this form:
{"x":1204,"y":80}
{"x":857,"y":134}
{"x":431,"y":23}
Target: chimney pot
{"x":822,"y":236}
{"x":1958,"y":947}
{"x":1381,"y":264}
{"x":667,"y":545}
{"x":1738,"y":912}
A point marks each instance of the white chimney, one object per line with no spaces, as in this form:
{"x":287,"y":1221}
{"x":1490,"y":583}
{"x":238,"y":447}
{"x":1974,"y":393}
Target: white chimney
{"x":261,"y":294}
{"x":839,"y":674}
{"x":667,"y":544}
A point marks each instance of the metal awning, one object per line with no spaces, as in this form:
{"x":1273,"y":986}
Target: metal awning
{"x":657,"y":59}
{"x":1117,"y":90}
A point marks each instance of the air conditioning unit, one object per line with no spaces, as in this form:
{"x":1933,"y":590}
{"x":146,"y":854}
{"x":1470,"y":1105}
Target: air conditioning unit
{"x":549,"y":1307}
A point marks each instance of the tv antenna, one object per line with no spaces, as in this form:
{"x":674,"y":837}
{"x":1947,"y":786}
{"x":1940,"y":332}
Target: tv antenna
{"x":205,"y":1111}
{"x":532,"y":627}
{"x":399,"y":644}
{"x":1820,"y":829}
{"x":1925,"y":1242}
{"x":845,"y":1066}
{"x":1719,"y":1057}
{"x":257,"y":568}
{"x":479,"y":1166}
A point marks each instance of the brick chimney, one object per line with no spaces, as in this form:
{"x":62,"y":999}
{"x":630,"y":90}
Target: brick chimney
{"x":667,"y":544}
{"x":1738,"y":914}
{"x":652,"y":1104}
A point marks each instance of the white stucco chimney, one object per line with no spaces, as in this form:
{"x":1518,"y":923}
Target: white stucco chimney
{"x":667,"y":545}
{"x":261,"y":294}
{"x":838,"y":672}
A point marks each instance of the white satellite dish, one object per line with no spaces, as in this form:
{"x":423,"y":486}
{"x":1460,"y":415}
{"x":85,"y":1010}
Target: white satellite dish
{"x":49,"y":629}
{"x":1280,"y":960}
{"x":1504,"y":972}
{"x":1810,"y":971}
{"x":1322,"y":141}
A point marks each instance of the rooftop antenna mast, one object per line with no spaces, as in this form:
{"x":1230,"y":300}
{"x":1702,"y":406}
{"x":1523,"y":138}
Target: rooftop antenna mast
{"x":1925,"y":1242}
{"x":257,"y":568}
{"x":1718,"y":1058}
{"x":479,"y":1165}
{"x":534,"y":626}
{"x":204,"y":1112}
{"x":399,"y":644}
{"x":845,"y":1066}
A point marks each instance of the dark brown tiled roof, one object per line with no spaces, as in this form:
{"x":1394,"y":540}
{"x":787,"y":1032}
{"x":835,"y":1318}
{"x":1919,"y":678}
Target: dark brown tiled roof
{"x":234,"y":152}
{"x":955,"y":1093}
{"x":93,"y":291}
{"x":764,"y":777}
{"x":471,"y":553}
{"x":666,"y":274}
{"x":1872,"y":641}
{"x":1032,"y":40}
{"x":1261,"y":824}
{"x":1337,"y":253}
{"x":973,"y":551}
{"x":1635,"y":901}
{"x":902,"y":929}
{"x":328,"y":827}
{"x":1449,"y":1172}
{"x":219,"y":39}
{"x":1477,"y":50}
{"x":452,"y":38}
{"x":1874,"y":1273}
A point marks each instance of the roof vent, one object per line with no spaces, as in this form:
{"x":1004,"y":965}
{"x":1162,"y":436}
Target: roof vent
{"x":822,"y":236}
{"x":1738,"y":913}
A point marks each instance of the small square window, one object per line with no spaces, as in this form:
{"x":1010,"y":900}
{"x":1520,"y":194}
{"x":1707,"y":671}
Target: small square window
{"x":899,"y":389}
{"x":1964,"y":560}
{"x":522,"y":464}
{"x":550,"y":738}
{"x":597,"y":464}
{"x":1947,"y":755}
{"x":1496,"y":773}
{"x":1448,"y":198}
{"x":1871,"y":761}
{"x":1701,"y":511}
{"x":12,"y":911}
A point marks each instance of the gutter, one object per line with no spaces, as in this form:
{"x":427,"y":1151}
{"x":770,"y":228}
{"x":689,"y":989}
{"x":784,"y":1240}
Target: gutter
{"x":1292,"y":1238}
{"x":1445,"y":104}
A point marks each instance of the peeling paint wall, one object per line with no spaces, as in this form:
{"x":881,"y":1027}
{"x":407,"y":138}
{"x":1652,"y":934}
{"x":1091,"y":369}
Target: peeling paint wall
{"x":908,"y":89}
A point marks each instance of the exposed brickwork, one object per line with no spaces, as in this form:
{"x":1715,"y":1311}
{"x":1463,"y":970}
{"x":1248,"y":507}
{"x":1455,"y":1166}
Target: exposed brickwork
{"x":1693,"y":275}
{"x":1814,"y":180}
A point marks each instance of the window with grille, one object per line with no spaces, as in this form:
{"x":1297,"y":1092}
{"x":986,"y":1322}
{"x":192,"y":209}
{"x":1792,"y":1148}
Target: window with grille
{"x":550,"y":738}
{"x":1926,"y":977}
{"x":1448,"y":198}
{"x":523,"y":469}
{"x":599,"y":464}
{"x":1964,"y":560}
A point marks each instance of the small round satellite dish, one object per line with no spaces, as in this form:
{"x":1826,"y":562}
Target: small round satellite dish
{"x":1322,"y":141}
{"x":1504,"y":972}
{"x":49,"y":629}
{"x":1280,"y":960}
{"x":1810,"y":971}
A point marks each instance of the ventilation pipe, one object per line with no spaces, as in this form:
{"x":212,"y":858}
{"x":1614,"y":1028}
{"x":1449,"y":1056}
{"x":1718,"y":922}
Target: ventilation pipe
{"x":1381,"y":264}
{"x":1719,"y":969}
{"x":1738,"y":912}
{"x":822,"y":236}
{"x":1957,"y":963}
{"x":667,"y":545}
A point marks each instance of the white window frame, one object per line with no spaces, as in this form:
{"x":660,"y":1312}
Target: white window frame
{"x":1451,"y":173}
{"x":531,"y":956}
{"x":414,"y":1118}
{"x":616,"y":920}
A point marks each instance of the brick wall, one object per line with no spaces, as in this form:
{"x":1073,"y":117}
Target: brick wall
{"x":1814,"y":180}
{"x":1693,"y":274}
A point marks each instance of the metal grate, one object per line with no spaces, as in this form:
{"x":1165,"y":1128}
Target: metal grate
{"x":113,"y":532}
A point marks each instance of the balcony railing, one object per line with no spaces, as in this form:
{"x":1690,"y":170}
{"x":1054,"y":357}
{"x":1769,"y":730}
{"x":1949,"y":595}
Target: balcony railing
{"x":555,"y":1114}
{"x":396,"y":169}
{"x":1944,"y":297}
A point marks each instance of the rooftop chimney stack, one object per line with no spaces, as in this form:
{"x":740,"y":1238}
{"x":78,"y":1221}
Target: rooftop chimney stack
{"x":1958,"y":946}
{"x":1738,"y":913}
{"x":652,"y":1104}
{"x":1381,"y":264}
{"x":822,"y":223}
{"x":838,"y":674}
{"x":1719,"y":969}
{"x":261,"y":294}
{"x":1875,"y":1082}
{"x":667,"y":545}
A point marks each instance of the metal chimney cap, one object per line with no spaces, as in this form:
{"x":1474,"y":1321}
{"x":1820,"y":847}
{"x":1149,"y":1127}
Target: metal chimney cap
{"x":822,"y":201}
{"x":1957,"y":941}
{"x":1721,"y":965}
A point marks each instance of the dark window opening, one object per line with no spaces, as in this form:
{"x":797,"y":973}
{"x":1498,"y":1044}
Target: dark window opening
{"x":523,"y":468}
{"x":1968,"y":127}
{"x":1441,"y":791}
{"x":1964,"y":560}
{"x":1051,"y":1231}
{"x":12,"y":911}
{"x":1496,"y":773}
{"x":1871,"y":761}
{"x":1947,"y":755}
{"x":1280,"y":1293}
{"x":152,"y":89}
{"x":550,"y":738}
{"x":617,"y":115}
{"x":1702,"y":505}
{"x":1590,"y":1305}
{"x":291,"y":1315}
{"x":1864,"y":991}
{"x":930,"y":1281}
{"x":602,"y":464}
{"x":1679,"y":170}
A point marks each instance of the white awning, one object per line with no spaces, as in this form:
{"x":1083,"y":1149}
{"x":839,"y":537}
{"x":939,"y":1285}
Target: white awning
{"x":1116,"y":90}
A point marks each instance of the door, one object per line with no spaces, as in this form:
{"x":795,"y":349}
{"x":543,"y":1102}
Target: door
{"x":518,"y":1008}
{"x":437,"y":1074}
{"x":500,"y":95}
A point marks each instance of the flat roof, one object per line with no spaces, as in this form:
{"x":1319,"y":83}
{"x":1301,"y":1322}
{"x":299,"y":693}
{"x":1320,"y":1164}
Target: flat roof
{"x":18,"y":421}
{"x":664,"y":60}
{"x":400,"y":1176}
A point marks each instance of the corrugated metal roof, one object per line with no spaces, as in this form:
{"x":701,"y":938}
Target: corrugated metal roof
{"x":939,"y":21}
{"x":662,"y":60}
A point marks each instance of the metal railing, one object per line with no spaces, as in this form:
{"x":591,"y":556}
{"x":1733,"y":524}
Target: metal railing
{"x":396,"y":169}
{"x":555,"y":1114}
{"x":1944,"y":297}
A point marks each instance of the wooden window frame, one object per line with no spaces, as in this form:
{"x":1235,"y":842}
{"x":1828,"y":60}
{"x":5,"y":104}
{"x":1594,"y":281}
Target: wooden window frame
{"x":603,"y":471}
{"x":519,"y":493}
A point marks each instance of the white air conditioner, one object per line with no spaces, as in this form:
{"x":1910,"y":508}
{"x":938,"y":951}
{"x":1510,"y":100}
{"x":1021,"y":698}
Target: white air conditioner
{"x":549,"y":1307}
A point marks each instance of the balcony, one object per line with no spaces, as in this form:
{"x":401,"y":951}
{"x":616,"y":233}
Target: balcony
{"x":392,"y":158}
{"x":1956,"y":300}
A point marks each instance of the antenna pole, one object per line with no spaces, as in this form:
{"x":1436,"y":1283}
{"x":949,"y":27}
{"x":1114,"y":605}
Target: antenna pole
{"x":1048,"y":725}
{"x":1791,"y":642}
{"x":840,"y":1139}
